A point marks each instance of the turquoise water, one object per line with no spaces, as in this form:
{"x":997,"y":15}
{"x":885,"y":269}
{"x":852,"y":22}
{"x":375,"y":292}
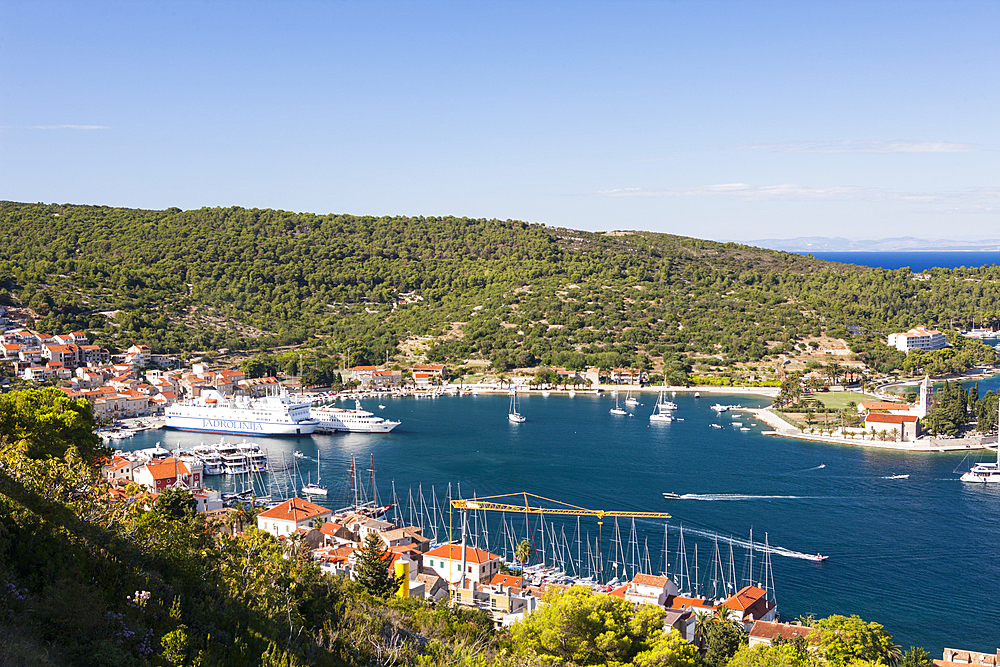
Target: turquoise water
{"x":905,"y":553}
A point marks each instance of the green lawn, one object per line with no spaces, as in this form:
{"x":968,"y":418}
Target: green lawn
{"x":840,"y":399}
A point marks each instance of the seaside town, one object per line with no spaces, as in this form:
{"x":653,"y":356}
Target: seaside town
{"x":141,"y":383}
{"x":137,"y":390}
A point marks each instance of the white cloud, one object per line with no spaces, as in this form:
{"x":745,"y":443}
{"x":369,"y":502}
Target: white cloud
{"x":879,"y":147}
{"x":972,"y":200}
{"x":68,"y":127}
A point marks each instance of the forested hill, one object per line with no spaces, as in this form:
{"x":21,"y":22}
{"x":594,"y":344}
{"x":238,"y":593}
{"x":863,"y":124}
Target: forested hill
{"x":508,"y":291}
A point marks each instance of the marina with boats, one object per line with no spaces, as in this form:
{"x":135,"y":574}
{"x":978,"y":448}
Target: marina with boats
{"x":727,"y":481}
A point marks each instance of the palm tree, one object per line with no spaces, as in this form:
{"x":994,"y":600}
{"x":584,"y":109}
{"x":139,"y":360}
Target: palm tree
{"x":895,"y":434}
{"x":702,"y":622}
{"x":291,"y":545}
{"x":725,"y":614}
{"x":522,"y":553}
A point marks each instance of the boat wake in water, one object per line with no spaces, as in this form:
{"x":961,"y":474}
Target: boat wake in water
{"x":757,"y":546}
{"x":734,"y":496}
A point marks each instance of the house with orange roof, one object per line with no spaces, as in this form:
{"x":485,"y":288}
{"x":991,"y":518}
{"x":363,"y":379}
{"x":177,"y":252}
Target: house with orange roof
{"x":650,"y":589}
{"x":291,"y":515}
{"x":335,"y":559}
{"x":119,"y":467}
{"x":337,"y":534}
{"x":168,"y":472}
{"x":502,"y":581}
{"x":697,"y":605}
{"x":437,"y":370}
{"x":446,"y":562}
{"x":751,"y":605}
{"x":905,"y":426}
{"x":164,"y":399}
{"x":382,"y":379}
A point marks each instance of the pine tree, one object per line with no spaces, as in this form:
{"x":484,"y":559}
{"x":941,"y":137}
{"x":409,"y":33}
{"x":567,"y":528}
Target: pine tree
{"x":371,"y":568}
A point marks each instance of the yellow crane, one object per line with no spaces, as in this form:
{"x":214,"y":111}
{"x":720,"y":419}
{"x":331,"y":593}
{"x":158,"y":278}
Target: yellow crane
{"x":490,"y":503}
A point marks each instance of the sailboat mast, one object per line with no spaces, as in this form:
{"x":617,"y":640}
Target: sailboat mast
{"x":697,"y":577}
{"x":354,"y":486}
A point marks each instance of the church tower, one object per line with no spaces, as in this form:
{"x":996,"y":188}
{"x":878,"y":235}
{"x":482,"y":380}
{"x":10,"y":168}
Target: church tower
{"x":926,"y":397}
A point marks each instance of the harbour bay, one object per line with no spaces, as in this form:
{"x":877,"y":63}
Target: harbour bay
{"x":894,"y":545}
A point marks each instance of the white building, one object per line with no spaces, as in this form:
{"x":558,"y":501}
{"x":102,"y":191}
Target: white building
{"x":649,"y":589}
{"x":918,"y":338}
{"x":446,"y":562}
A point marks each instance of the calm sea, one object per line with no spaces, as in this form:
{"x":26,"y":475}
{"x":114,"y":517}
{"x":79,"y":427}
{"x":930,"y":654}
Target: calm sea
{"x":902,"y":552}
{"x":917,"y":261}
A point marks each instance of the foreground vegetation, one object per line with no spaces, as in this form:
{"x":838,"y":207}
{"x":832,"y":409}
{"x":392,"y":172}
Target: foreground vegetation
{"x":509,"y":292}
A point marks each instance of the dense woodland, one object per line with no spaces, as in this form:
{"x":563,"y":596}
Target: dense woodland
{"x":510,"y":292}
{"x":92,"y":578}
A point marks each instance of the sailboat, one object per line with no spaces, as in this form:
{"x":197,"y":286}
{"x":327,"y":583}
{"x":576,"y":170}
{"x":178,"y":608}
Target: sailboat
{"x":629,"y":399}
{"x":514,"y":416}
{"x":661,"y":412}
{"x":617,"y":410}
{"x":314,"y":488}
{"x":985,"y":472}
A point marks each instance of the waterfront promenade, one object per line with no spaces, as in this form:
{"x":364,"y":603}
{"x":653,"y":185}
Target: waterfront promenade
{"x":783,"y":428}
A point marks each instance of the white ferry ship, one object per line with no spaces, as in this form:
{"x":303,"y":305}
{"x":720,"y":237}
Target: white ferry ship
{"x":358,"y":420}
{"x":272,"y":415}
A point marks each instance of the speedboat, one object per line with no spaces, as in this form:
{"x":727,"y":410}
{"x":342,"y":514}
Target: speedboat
{"x":670,"y":495}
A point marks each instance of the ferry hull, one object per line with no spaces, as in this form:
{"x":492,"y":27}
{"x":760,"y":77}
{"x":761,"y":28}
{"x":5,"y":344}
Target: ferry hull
{"x":240,"y":426}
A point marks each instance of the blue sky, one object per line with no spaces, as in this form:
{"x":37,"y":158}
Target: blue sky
{"x":724,"y":120}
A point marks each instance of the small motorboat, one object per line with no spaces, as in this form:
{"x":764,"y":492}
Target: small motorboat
{"x":671,"y":496}
{"x":898,"y":477}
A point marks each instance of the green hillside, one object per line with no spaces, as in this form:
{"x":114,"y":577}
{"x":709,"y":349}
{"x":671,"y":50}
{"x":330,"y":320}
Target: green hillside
{"x":510,"y":292}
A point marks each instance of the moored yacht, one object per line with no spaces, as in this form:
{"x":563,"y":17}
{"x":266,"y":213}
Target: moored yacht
{"x":234,"y":462}
{"x":211,"y":462}
{"x":358,"y":420}
{"x":984,"y":472}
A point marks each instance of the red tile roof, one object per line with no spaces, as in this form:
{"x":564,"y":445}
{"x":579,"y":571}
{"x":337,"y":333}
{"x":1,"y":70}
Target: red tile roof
{"x":295,"y":509}
{"x":885,"y":418}
{"x":649,"y":580}
{"x":746,"y":597}
{"x":168,"y":468}
{"x":886,"y":406}
{"x":508,"y":580}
